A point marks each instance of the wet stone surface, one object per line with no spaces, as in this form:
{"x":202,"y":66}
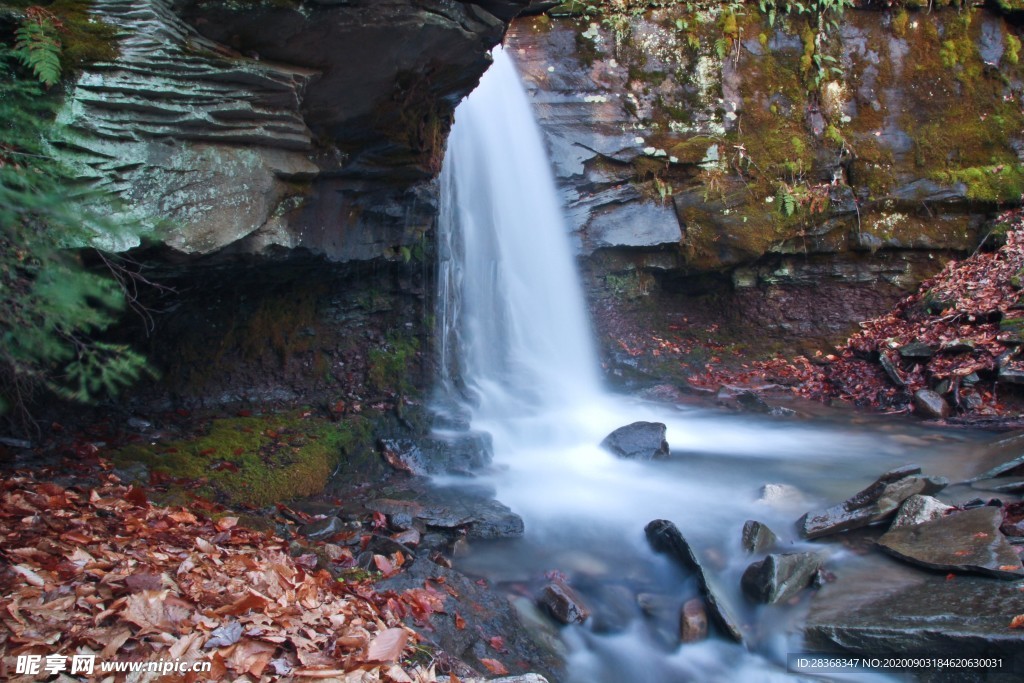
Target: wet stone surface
{"x":638,"y":441}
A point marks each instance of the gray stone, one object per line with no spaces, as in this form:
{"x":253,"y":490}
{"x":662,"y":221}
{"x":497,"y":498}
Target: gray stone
{"x":968,"y":541}
{"x":665,"y":537}
{"x":563,"y":604}
{"x":1011,"y":373}
{"x":479,"y":516}
{"x":454,"y":453}
{"x":921,"y":613}
{"x":957,"y":346}
{"x":893,"y":372}
{"x":778,"y":578}
{"x":930,"y":404}
{"x":693,"y":622}
{"x":522,"y":678}
{"x":873,"y":504}
{"x":323,"y":528}
{"x":916,"y":350}
{"x":780,"y":495}
{"x":919,"y":509}
{"x":757,"y":537}
{"x":638,"y":441}
{"x":994,"y":458}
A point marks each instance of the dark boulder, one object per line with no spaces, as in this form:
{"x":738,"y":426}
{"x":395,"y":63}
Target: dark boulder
{"x":666,"y":538}
{"x":916,"y":351}
{"x":873,"y":504}
{"x":638,"y":441}
{"x":757,"y":537}
{"x":930,"y":404}
{"x":563,"y":604}
{"x":456,"y":453}
{"x":968,"y":541}
{"x":778,"y":578}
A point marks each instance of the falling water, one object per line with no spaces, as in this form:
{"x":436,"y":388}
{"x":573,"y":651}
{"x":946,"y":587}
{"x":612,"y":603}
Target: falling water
{"x":517,"y":347}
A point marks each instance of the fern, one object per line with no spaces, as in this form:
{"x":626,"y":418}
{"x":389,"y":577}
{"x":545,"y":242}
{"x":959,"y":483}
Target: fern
{"x":38,"y":46}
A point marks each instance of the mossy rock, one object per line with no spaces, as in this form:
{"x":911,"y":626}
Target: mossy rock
{"x":257,"y":461}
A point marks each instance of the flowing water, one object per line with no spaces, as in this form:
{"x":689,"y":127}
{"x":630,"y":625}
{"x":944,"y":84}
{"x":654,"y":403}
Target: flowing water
{"x":517,"y":348}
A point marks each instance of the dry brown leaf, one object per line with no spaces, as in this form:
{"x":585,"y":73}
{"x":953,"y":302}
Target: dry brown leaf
{"x":31,"y":578}
{"x":114,"y":643}
{"x":494,"y":666}
{"x":1017,"y":621}
{"x":145,"y":609}
{"x":387,"y":646}
{"x":225,"y":523}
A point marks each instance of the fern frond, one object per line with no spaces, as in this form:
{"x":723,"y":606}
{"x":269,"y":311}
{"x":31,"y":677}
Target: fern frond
{"x":39,"y":48}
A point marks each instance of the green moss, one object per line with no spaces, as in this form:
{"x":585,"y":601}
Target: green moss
{"x":1000,"y":184}
{"x":899,"y":23}
{"x":257,"y":461}
{"x":1011,"y":54}
{"x":390,"y":364}
{"x":85,"y":38}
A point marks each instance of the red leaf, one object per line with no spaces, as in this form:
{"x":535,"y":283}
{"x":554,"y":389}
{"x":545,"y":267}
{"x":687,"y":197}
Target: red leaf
{"x":460,"y":623}
{"x":384,"y":565}
{"x":136,"y":497}
{"x":1017,"y":621}
{"x":497,"y":644}
{"x":494,"y":666}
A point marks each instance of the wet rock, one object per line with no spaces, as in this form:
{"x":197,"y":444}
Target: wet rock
{"x":478,"y":515}
{"x":456,"y":453}
{"x":524,"y":678}
{"x":614,"y":607}
{"x":693,"y":621}
{"x":919,"y":509}
{"x":665,"y":537}
{"x":409,"y":537}
{"x":968,"y":541}
{"x":925,"y":614}
{"x":757,"y":537}
{"x":638,"y":441}
{"x":741,"y":399}
{"x":916,"y":351}
{"x":780,"y":495}
{"x":873,"y":504}
{"x":563,"y":604}
{"x":929,"y":404}
{"x":491,"y":614}
{"x":889,"y":366}
{"x":778,"y":578}
{"x":1011,"y":373}
{"x":1000,"y":484}
{"x":323,"y":528}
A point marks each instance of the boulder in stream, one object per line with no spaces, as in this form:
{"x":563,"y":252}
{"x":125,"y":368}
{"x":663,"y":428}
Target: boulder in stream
{"x":563,"y":604}
{"x":873,"y":504}
{"x":693,"y":621}
{"x":638,"y":441}
{"x":757,"y":537}
{"x":441,"y":453}
{"x":968,"y":541}
{"x":918,"y":510}
{"x":666,"y":538}
{"x":778,"y":578}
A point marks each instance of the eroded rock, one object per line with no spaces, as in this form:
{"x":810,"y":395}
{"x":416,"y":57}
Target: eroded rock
{"x":563,"y":604}
{"x":930,"y":404}
{"x":873,"y":504}
{"x":757,"y":537}
{"x":968,"y":541}
{"x":778,"y":578}
{"x":919,"y":509}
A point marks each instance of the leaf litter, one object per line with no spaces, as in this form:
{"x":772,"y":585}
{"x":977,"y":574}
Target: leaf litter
{"x":100,"y":571}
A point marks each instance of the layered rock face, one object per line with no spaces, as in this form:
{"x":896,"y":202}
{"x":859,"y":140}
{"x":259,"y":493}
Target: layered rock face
{"x":805,"y":180}
{"x":312,"y":125}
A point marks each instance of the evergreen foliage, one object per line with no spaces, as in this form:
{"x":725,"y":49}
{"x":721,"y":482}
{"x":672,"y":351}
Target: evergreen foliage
{"x":52,"y":307}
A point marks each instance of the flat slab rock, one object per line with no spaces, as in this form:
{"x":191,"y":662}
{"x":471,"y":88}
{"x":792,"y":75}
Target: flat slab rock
{"x":483,"y":518}
{"x":638,"y":441}
{"x":968,"y":541}
{"x":964,"y":617}
{"x":873,"y":504}
{"x":778,"y":578}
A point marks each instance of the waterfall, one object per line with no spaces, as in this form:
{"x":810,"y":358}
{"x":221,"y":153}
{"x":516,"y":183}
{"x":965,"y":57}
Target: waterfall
{"x":517,"y":353}
{"x":513,"y":320}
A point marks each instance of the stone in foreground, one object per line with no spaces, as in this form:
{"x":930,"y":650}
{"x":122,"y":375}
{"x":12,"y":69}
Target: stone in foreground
{"x":968,"y":541}
{"x":665,"y":537}
{"x":562,"y":603}
{"x":873,"y":504}
{"x":693,"y":622}
{"x":930,"y":404}
{"x":638,"y":441}
{"x":778,"y":578}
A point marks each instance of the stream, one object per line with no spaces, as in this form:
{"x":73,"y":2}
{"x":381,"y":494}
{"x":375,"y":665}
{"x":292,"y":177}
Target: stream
{"x":518,"y":354}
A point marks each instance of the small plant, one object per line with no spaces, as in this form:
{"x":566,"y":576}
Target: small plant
{"x":38,"y":45}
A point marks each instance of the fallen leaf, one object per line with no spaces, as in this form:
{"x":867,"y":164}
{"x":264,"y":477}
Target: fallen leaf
{"x":387,"y":646}
{"x":225,"y":523}
{"x":494,"y":666}
{"x":1017,"y":621}
{"x":225,"y":635}
{"x":30,"y":576}
{"x":460,"y":623}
